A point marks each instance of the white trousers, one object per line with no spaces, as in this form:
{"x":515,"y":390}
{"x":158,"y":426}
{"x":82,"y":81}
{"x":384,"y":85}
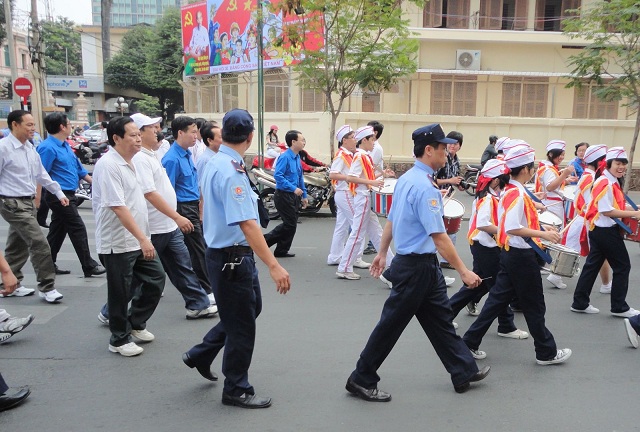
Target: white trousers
{"x":344,"y":218}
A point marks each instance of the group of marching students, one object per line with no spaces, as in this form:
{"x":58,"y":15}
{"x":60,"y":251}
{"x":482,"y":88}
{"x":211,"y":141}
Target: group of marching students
{"x":508,"y":241}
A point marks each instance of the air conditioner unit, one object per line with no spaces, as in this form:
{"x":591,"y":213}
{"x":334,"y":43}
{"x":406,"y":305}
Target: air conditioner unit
{"x":467,"y":59}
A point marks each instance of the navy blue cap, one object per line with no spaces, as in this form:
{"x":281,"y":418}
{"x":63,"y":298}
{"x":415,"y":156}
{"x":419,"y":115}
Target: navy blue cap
{"x":430,"y":134}
{"x":237,"y":122}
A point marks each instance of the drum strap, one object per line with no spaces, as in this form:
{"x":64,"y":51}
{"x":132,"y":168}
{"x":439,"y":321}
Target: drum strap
{"x":543,"y":254}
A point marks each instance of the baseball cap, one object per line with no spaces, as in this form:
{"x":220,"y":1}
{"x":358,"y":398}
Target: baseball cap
{"x":142,"y":120}
{"x":237,"y":122}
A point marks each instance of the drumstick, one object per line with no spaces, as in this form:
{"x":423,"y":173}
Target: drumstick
{"x":555,"y":203}
{"x":453,"y":191}
{"x":567,"y":227}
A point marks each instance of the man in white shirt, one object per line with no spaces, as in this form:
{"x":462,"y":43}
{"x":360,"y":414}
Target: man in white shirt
{"x":122,"y":239}
{"x":200,"y":37}
{"x":212,"y":137}
{"x":20,"y":170}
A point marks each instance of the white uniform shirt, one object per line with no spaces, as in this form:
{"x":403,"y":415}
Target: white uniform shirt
{"x":339,"y":166}
{"x":115,"y":184}
{"x":377,"y":155}
{"x":197,"y":150}
{"x":164,"y":148}
{"x":606,"y":202}
{"x":484,"y":219}
{"x":515,"y":219}
{"x":357,"y":170}
{"x":21,"y":169}
{"x":153,"y":178}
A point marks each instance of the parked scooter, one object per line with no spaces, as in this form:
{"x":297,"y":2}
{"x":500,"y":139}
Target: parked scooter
{"x":83,"y":193}
{"x":470,"y":181}
{"x":319,"y":191}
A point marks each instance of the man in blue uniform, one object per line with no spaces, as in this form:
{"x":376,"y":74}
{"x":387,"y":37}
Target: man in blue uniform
{"x":64,"y":167}
{"x":419,"y":289}
{"x":232,"y":235}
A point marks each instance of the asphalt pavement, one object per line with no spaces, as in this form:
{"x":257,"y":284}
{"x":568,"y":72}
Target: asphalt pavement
{"x":308,"y":341}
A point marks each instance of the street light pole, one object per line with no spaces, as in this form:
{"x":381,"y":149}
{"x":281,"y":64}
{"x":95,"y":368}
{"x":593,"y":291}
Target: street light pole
{"x":121,"y":105}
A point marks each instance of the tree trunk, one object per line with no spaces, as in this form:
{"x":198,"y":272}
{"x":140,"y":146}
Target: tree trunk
{"x":627,"y":180}
{"x":105,"y":17}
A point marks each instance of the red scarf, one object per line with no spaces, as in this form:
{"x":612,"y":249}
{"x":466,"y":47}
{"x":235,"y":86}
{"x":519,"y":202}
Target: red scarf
{"x":508,"y":200}
{"x":539,"y":187}
{"x":489,"y":200}
{"x":600,"y":188}
{"x":346,"y":157}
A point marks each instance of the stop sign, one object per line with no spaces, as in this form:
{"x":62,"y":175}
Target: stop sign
{"x":22,"y":87}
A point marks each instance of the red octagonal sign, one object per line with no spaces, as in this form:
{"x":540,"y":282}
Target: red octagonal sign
{"x":22,"y":87}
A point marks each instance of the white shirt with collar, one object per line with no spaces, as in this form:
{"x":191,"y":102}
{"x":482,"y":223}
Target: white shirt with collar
{"x":357,"y":170}
{"x":197,"y":150}
{"x":21,"y":169}
{"x":377,"y":155}
{"x":605,"y":203}
{"x":116,"y":184}
{"x":154,"y":178}
{"x":340,"y":167}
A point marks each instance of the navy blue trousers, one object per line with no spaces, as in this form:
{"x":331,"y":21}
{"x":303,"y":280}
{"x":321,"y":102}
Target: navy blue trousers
{"x":239,"y":304}
{"x":486,"y":264}
{"x":418,"y":290}
{"x":519,"y":274}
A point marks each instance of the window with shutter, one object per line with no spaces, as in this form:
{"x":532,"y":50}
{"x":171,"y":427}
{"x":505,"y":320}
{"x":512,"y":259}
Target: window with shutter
{"x":453,"y":95}
{"x":432,"y":14}
{"x":491,"y":14}
{"x":312,"y":100}
{"x":371,"y":102}
{"x":276,"y":91}
{"x":587,"y":105}
{"x":524,"y":96}
{"x":457,"y":14}
{"x":520,"y":15}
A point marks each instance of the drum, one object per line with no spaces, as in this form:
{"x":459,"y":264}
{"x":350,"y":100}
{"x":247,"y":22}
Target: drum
{"x":382,"y":198}
{"x":549,"y":218}
{"x":453,"y":212}
{"x":565,"y":261}
{"x":569,"y":193}
{"x":635,"y":229}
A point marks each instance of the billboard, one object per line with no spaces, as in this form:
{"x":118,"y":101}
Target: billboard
{"x":221,"y":36}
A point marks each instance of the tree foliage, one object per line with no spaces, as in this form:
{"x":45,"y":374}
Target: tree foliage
{"x":62,"y":44}
{"x":367,"y":45}
{"x":148,"y":105}
{"x":611,"y":60}
{"x":150,"y":62}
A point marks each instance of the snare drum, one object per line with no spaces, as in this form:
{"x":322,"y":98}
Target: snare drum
{"x":635,"y":229}
{"x":565,"y":262}
{"x":569,"y":194}
{"x":453,"y":212}
{"x":382,"y":198}
{"x":549,"y":218}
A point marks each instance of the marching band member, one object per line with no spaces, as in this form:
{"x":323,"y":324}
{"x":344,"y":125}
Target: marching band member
{"x":519,"y":236}
{"x":499,"y":147}
{"x":605,"y":238}
{"x":494,"y":176}
{"x":551,"y":180}
{"x":576,"y":236}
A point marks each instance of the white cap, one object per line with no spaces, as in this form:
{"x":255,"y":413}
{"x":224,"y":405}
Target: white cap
{"x":494,"y":168}
{"x":594,"y":152}
{"x":342,"y":132}
{"x":500,"y":142}
{"x":142,"y":120}
{"x":508,"y":145}
{"x":363,"y":132}
{"x":520,"y":155}
{"x":556,"y":145}
{"x":616,"y":153}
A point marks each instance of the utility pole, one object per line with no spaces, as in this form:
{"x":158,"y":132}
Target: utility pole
{"x":12,"y":52}
{"x":37,"y":68}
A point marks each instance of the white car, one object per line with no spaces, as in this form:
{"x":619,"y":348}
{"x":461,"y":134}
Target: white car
{"x":93,"y":133}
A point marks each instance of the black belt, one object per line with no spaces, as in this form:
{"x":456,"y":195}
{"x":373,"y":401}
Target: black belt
{"x":69,"y":192}
{"x":30,"y":197}
{"x":240,"y":250}
{"x":421,"y":256}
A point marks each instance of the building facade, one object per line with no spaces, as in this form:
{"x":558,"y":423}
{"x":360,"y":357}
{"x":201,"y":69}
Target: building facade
{"x":125,"y":13}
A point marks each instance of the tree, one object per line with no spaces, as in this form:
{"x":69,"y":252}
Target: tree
{"x":367,"y":46}
{"x":611,"y":59}
{"x":148,"y":105}
{"x":63,"y":52}
{"x":105,"y":20}
{"x":150,"y":62}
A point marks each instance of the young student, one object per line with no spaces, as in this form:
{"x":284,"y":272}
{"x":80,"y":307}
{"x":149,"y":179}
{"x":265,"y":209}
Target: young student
{"x":483,"y":228}
{"x":519,"y":236}
{"x":361,"y":178}
{"x":576,"y":236}
{"x":551,"y":180}
{"x":603,"y":213}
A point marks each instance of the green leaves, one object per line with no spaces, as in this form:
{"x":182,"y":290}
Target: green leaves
{"x":62,"y":47}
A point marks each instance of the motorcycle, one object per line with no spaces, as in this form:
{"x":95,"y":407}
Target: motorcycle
{"x":470,"y":181}
{"x":83,"y":193}
{"x":319,"y":191}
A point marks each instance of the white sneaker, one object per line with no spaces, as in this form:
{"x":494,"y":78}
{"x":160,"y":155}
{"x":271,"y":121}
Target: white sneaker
{"x":348,"y":275}
{"x":561,"y":356}
{"x":627,"y":314}
{"x":103,"y":319}
{"x":556,"y":281}
{"x":143,"y":335}
{"x":449,"y":280}
{"x":209,"y":312}
{"x":472,"y":309}
{"x":588,"y":310}
{"x":605,"y":289}
{"x":455,"y":325}
{"x":21,"y":291}
{"x":544,"y":271}
{"x":52,"y":296}
{"x":127,"y":350}
{"x":631,"y":333}
{"x":477,"y":354}
{"x":14,"y":325}
{"x":361,"y":264}
{"x":386,"y":281}
{"x":516,"y":334}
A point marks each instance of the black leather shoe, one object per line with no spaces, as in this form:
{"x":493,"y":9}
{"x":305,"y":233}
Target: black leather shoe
{"x":62,"y":272}
{"x":8,"y":401}
{"x":96,"y":271}
{"x":246,"y":401}
{"x":479,"y":376}
{"x":285,"y":255}
{"x":204,"y":371}
{"x":371,"y":395}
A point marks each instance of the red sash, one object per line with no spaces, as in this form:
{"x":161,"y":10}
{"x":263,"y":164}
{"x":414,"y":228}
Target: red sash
{"x":539,"y":187}
{"x":600,"y":188}
{"x":367,"y":168}
{"x":347,"y":158}
{"x":491,"y":201}
{"x":507,"y":202}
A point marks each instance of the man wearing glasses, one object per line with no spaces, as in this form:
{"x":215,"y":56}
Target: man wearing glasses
{"x":64,"y":167}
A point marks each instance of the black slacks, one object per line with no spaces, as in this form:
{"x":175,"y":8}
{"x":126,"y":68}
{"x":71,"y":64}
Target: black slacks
{"x":287,"y":204}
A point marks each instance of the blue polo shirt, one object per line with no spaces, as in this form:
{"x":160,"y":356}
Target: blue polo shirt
{"x":61,"y":163}
{"x":228,"y":199}
{"x":416,"y":212}
{"x":182,"y":173}
{"x":288,"y":173}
